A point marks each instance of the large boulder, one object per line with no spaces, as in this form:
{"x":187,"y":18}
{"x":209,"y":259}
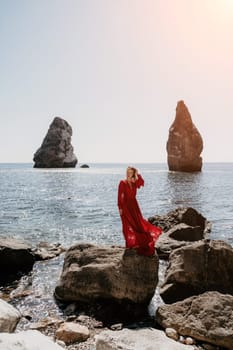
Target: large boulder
{"x":16,"y":258}
{"x":56,"y":150}
{"x":179,"y":236}
{"x":93,"y":273}
{"x":180,"y":226}
{"x":9,"y":317}
{"x":207,"y":317}
{"x":184,"y":144}
{"x":199,"y":267}
{"x":138,"y":339}
{"x":27,"y":340}
{"x":181,"y":215}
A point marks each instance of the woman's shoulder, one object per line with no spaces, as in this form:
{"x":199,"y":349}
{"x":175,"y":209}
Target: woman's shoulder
{"x":122,"y":182}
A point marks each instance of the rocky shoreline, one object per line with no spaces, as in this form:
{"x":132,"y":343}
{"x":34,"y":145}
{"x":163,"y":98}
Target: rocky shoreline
{"x":104,"y":292}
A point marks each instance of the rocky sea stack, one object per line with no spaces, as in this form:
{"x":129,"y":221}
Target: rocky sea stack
{"x":56,"y":150}
{"x":184,"y":144}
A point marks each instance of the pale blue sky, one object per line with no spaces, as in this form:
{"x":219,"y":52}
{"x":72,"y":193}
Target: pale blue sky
{"x":115,"y":69}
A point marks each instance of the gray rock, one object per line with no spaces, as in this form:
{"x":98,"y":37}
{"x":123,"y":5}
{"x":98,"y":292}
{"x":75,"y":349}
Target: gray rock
{"x":183,"y":232}
{"x":202,"y":266}
{"x":71,"y":332}
{"x":184,"y":144}
{"x":139,"y":339}
{"x":45,"y":250}
{"x":181,"y":226}
{"x":56,"y":150}
{"x":207,"y":317}
{"x":179,"y":236}
{"x":171,"y":333}
{"x":9,"y":317}
{"x":16,"y":257}
{"x":111,"y":273}
{"x":27,"y":340}
{"x":181,"y":215}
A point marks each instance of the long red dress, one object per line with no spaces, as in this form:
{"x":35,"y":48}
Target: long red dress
{"x":138,"y":232}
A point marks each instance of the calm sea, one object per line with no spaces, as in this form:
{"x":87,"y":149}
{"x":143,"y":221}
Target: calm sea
{"x":70,"y":205}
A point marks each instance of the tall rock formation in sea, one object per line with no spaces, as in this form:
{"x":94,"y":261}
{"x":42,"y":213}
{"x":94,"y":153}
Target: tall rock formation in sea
{"x":56,"y":150}
{"x":184,"y":144}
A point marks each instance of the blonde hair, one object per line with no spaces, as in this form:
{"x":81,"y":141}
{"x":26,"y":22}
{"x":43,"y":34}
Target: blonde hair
{"x":133,"y":169}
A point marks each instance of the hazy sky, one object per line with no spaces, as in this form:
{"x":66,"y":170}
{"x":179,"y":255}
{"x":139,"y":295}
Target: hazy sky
{"x":115,"y":69}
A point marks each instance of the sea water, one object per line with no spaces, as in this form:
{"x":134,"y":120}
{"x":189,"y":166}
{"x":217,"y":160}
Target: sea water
{"x":67,"y":206}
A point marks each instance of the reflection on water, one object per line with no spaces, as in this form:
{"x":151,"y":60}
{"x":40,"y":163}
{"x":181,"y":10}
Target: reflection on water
{"x":185,"y":189}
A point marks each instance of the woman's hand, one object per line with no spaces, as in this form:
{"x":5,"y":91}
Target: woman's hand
{"x":120,"y":212}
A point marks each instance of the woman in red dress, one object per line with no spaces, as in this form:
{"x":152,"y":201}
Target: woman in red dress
{"x":138,"y":232}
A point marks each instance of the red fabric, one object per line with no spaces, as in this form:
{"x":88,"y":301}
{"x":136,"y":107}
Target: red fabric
{"x":138,"y":232}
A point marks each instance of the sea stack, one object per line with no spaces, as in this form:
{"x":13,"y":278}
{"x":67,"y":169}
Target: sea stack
{"x":184,"y":144}
{"x":56,"y":150}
